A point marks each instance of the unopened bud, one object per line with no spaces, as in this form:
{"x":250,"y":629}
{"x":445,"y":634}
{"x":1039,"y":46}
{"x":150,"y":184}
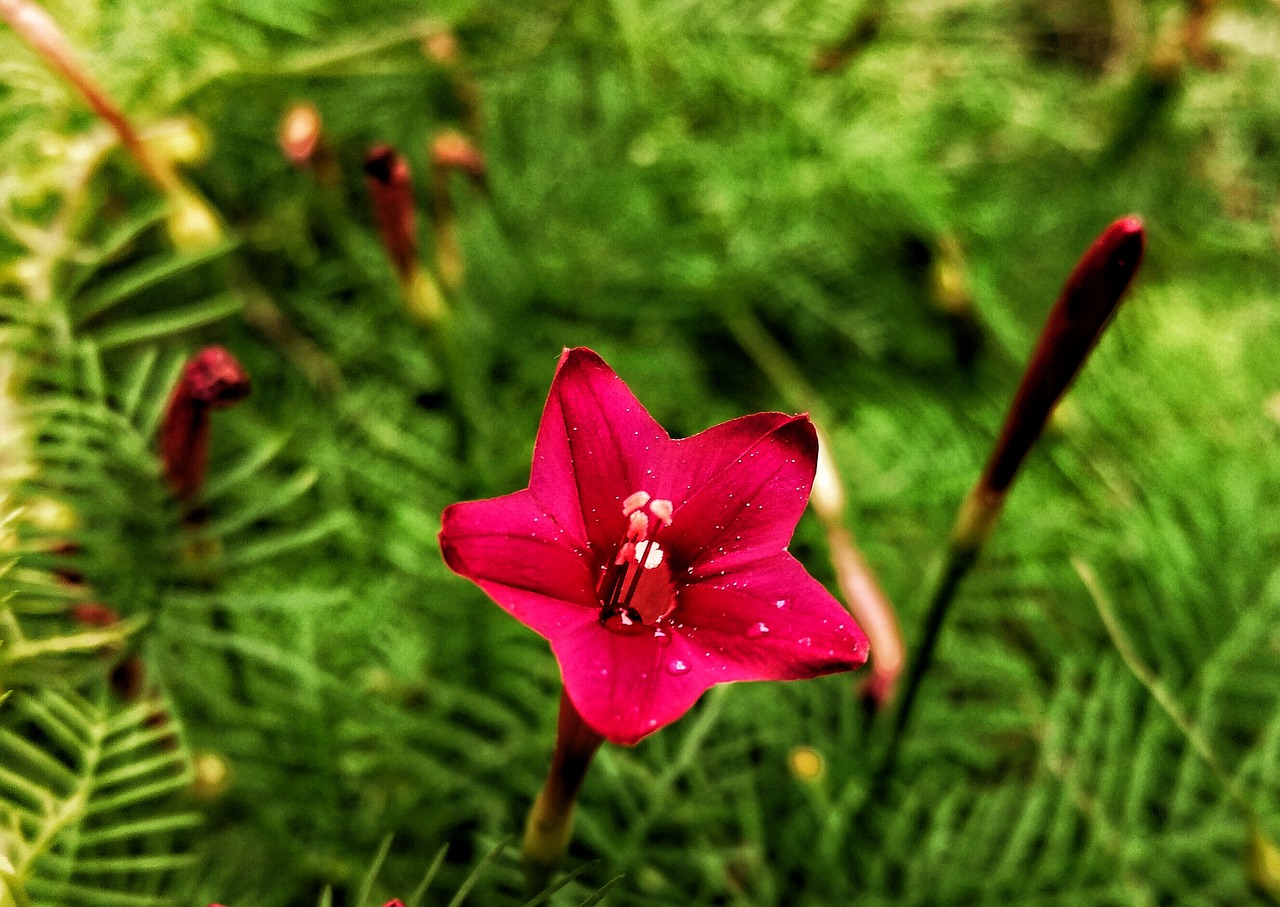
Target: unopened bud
{"x":441,"y":47}
{"x":827,"y":497}
{"x":213,"y":379}
{"x":392,"y":192}
{"x":806,"y":763}
{"x":95,"y":614}
{"x":211,"y":774}
{"x":191,"y":223}
{"x":300,"y":133}
{"x":178,"y":140}
{"x":1083,"y":310}
{"x":452,"y":150}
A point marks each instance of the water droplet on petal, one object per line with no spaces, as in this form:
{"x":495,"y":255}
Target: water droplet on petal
{"x":780,"y":603}
{"x":755,"y":631}
{"x":677,"y":667}
{"x":805,"y":641}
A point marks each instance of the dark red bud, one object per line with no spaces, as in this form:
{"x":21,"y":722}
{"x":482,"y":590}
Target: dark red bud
{"x":213,"y":379}
{"x":395,"y":903}
{"x":95,"y":614}
{"x":392,"y":192}
{"x":1083,"y":310}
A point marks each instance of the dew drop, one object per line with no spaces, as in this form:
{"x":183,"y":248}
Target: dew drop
{"x":756,"y":630}
{"x":780,"y":603}
{"x":805,"y":641}
{"x":677,"y":667}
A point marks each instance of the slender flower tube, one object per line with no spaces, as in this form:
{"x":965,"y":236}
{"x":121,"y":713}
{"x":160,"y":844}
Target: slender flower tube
{"x":1084,"y":308}
{"x":392,"y":191}
{"x":655,"y":567}
{"x":213,"y":379}
{"x":550,"y":823}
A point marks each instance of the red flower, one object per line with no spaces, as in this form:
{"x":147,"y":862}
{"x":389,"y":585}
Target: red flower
{"x":655,"y":567}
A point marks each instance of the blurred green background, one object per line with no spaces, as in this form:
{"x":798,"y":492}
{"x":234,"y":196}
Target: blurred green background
{"x":860,"y":209}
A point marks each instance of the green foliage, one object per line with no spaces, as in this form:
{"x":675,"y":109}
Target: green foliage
{"x":676,"y":186}
{"x":88,"y":804}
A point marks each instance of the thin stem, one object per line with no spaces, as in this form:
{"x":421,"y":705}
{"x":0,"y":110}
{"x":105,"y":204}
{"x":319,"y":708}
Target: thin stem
{"x":1159,"y":692}
{"x":35,"y":26}
{"x":959,"y":560}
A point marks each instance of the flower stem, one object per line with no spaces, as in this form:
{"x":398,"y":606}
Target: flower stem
{"x":549,"y":827}
{"x":42,"y":34}
{"x":1084,"y":309}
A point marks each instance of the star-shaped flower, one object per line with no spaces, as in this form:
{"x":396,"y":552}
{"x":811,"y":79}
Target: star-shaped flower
{"x":655,"y":567}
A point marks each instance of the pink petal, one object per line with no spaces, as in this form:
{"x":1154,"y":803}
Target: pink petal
{"x":749,"y":509}
{"x":596,"y":446}
{"x":628,"y":686}
{"x":523,"y":558}
{"x":770,"y":620}
{"x":692,"y":462}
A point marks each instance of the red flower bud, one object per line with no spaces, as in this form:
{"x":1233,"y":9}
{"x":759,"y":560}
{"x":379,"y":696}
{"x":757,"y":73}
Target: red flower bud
{"x":1083,"y":310}
{"x":213,"y":379}
{"x":95,"y":614}
{"x":392,"y":192}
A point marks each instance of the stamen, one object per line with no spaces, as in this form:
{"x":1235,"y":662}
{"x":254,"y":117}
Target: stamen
{"x":637,"y":553}
{"x":652,"y":557}
{"x":635,"y":502}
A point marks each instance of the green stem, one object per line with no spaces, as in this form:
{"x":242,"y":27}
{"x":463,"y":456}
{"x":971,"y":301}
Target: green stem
{"x":1159,"y":692}
{"x":960,"y":558}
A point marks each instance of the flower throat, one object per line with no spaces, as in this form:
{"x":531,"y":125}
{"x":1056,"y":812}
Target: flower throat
{"x":636,"y":591}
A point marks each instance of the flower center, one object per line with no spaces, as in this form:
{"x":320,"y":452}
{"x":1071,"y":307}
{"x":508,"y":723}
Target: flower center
{"x":636,"y":591}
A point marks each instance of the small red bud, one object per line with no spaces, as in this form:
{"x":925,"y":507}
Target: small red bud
{"x":95,"y":614}
{"x":392,"y":193}
{"x":1083,"y":310}
{"x":213,"y":379}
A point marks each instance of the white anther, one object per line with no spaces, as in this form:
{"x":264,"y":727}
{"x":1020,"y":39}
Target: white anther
{"x":652,"y":555}
{"x":635,"y":502}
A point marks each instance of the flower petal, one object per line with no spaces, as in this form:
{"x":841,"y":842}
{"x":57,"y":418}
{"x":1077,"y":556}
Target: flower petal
{"x":692,"y":462}
{"x":523,"y":558}
{"x":596,"y":446}
{"x":628,"y":686}
{"x":749,"y":509}
{"x":770,"y":620}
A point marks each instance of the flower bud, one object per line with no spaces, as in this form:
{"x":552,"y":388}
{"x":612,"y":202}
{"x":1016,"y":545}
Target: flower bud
{"x":213,"y":379}
{"x":300,"y":133}
{"x":1083,"y":310}
{"x":178,"y":140}
{"x":392,"y":192}
{"x":191,"y":223}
